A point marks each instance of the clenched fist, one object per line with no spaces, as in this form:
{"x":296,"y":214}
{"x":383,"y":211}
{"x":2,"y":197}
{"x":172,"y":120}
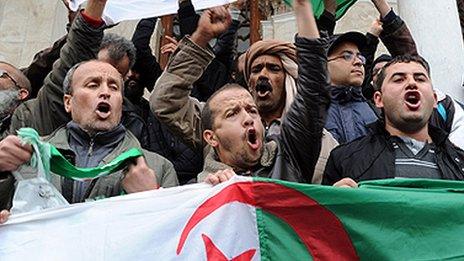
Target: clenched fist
{"x":139,"y":177}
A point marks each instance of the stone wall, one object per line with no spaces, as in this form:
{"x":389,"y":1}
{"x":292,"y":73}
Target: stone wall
{"x":28,"y":26}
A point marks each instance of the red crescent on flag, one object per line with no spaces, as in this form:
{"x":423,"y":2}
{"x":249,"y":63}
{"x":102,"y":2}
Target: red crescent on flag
{"x":319,"y":229}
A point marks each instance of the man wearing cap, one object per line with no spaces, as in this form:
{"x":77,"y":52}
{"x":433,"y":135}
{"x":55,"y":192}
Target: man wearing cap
{"x":349,"y":112}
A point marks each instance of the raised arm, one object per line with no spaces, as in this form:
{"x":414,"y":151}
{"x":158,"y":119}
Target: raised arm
{"x":170,"y":100}
{"x":301,"y":130}
{"x":46,"y":112}
{"x":395,"y":35}
{"x":145,"y":62}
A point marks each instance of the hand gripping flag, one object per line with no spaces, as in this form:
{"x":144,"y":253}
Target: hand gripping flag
{"x":251,"y":219}
{"x":55,"y":162}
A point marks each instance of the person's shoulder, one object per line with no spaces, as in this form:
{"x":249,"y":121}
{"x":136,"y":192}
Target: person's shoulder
{"x":154,"y":159}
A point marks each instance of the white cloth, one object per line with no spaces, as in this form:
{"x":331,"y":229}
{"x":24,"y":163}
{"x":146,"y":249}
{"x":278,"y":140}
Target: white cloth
{"x":140,"y":226}
{"x":122,"y":10}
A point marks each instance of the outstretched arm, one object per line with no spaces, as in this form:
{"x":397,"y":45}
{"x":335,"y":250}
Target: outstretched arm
{"x":82,"y":44}
{"x":145,"y":61}
{"x":395,"y":35}
{"x":170,"y":100}
{"x":301,"y":130}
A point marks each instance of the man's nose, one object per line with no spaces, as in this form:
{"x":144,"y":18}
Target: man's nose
{"x":104,"y":92}
{"x":357,"y":61}
{"x":412,"y":83}
{"x":247,"y":120}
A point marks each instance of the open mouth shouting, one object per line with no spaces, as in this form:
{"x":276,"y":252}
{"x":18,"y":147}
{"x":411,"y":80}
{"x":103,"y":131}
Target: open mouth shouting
{"x":412,"y":99}
{"x":263,"y":89}
{"x":103,"y":110}
{"x":252,"y":139}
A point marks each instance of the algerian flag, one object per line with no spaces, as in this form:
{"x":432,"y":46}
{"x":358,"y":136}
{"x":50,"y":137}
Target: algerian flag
{"x":250,"y":219}
{"x":318,"y":6}
{"x":122,"y":10}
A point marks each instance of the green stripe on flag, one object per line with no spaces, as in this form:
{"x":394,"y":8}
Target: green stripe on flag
{"x":318,"y":7}
{"x":277,"y":240}
{"x":55,"y":162}
{"x":385,"y":221}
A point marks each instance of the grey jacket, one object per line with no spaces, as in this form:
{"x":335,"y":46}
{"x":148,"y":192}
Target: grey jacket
{"x":292,"y":155}
{"x":107,"y":186}
{"x":46,"y":113}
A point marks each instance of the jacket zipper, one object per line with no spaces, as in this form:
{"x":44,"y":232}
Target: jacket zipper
{"x":92,"y":142}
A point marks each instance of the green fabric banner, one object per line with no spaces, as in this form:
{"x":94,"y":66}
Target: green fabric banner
{"x":318,"y":7}
{"x":395,"y":219}
{"x":54,"y":161}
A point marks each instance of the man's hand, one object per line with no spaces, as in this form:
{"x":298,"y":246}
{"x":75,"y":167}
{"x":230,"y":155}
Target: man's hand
{"x":212,"y":23}
{"x":219,"y":177}
{"x":71,"y":13}
{"x":346,"y":183}
{"x":139,"y":177}
{"x":376,"y":28}
{"x":13,"y":154}
{"x":170,"y":47}
{"x":94,"y":8}
{"x":382,"y":6}
{"x":4,"y":214}
{"x":330,"y":6}
{"x":305,"y":19}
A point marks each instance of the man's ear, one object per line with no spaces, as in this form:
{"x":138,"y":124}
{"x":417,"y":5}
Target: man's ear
{"x":210,"y":138}
{"x":67,"y":102}
{"x":23,"y":94}
{"x":378,"y":100}
{"x":435,"y":98}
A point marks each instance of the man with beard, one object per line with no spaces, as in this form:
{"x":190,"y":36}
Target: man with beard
{"x":14,"y":88}
{"x":404,"y":145}
{"x":95,"y":136}
{"x":229,"y":122}
{"x":271,"y":71}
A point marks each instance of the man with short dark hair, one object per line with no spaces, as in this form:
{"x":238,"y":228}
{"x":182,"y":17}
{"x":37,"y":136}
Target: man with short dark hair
{"x":233,"y":126}
{"x":403,"y":145}
{"x":117,"y":51}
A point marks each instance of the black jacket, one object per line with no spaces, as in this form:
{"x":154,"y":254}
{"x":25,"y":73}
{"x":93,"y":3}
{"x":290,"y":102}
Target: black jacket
{"x":373,"y":157}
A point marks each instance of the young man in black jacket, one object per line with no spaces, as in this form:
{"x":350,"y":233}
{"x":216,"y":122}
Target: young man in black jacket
{"x":403,"y":144}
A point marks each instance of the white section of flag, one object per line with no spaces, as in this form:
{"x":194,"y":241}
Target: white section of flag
{"x":142,"y":226}
{"x":122,"y":10}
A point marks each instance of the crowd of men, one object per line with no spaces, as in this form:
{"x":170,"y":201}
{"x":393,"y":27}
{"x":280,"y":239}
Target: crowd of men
{"x":321,"y":110}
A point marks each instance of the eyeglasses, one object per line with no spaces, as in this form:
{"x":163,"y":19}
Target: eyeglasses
{"x":4,"y":74}
{"x":349,"y":56}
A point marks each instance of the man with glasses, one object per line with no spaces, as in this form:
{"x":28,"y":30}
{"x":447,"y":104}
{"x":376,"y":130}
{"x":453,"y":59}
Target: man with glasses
{"x":349,"y":112}
{"x":14,"y":88}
